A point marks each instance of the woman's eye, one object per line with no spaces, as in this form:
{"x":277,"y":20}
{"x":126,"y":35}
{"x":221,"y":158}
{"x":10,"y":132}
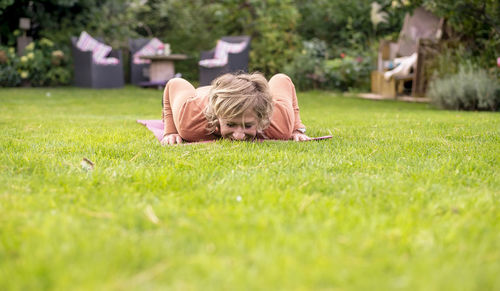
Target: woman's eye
{"x":231,"y":125}
{"x":248,"y":126}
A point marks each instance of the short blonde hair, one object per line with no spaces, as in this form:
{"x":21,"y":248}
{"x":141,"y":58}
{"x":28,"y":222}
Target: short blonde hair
{"x":232,"y":95}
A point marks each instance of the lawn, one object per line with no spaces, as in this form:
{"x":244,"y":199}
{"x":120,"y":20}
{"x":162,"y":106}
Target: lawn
{"x":403,"y":197}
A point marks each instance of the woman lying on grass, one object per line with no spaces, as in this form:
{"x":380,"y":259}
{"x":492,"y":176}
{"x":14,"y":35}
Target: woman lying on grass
{"x":234,"y":107}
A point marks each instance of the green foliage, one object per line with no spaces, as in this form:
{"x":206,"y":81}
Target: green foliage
{"x":345,"y":29}
{"x":114,"y":20}
{"x":4,"y":4}
{"x":469,"y":89}
{"x":307,"y":68}
{"x":58,"y":76}
{"x":274,"y":35}
{"x":42,"y":64}
{"x":451,"y":56}
{"x":349,"y":72}
{"x":476,"y":23}
{"x":277,"y":28}
{"x":9,"y":76}
{"x":312,"y":68}
{"x":347,"y":24}
{"x":60,"y":19}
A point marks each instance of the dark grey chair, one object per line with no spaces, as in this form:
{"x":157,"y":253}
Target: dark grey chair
{"x":91,"y":75}
{"x":236,"y":62}
{"x":139,"y":73}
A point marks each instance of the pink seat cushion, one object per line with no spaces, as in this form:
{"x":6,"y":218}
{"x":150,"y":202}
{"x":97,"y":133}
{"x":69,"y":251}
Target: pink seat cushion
{"x":222,"y":49}
{"x":99,"y":50}
{"x":148,"y":50}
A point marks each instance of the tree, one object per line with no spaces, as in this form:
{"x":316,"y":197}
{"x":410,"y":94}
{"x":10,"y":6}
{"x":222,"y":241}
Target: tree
{"x":475,"y":23}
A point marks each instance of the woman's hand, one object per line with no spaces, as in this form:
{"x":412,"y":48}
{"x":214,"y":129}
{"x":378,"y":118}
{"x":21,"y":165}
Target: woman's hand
{"x":299,"y":136}
{"x":171,"y":139}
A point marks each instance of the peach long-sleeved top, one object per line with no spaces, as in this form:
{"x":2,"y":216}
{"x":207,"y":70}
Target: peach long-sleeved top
{"x":183,"y":110}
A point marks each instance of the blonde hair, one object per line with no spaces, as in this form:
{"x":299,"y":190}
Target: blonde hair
{"x":232,"y":95}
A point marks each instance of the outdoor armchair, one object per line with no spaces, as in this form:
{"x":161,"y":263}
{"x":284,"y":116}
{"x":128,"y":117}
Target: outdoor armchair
{"x":212,"y":63}
{"x":88,"y":73}
{"x":139,"y":67}
{"x":421,"y":31}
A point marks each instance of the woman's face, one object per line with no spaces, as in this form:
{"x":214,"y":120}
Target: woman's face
{"x":239,"y":128}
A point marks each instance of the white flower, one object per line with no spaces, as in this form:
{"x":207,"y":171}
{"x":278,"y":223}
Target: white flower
{"x":30,"y":46}
{"x":376,"y":15}
{"x":238,"y":198}
{"x":57,"y":54}
{"x":46,"y":42}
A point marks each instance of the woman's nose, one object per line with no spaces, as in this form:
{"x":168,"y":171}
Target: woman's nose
{"x":238,"y":134}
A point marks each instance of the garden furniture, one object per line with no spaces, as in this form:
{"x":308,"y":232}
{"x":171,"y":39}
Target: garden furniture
{"x":140,"y":67}
{"x":230,"y":55}
{"x":420,"y":32}
{"x":139,"y":70}
{"x":161,"y":69}
{"x":96,"y":65}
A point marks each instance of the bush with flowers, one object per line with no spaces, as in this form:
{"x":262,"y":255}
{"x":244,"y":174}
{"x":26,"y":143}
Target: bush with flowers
{"x":42,"y":64}
{"x":307,"y":67}
{"x":9,"y":76}
{"x":348,"y":72}
{"x":312,"y":68}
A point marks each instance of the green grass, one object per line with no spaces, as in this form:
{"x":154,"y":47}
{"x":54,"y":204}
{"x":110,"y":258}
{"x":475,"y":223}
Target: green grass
{"x":403,"y":197}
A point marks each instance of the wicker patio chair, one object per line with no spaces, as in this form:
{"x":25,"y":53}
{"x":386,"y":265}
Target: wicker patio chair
{"x":237,"y":62}
{"x":89,"y":74}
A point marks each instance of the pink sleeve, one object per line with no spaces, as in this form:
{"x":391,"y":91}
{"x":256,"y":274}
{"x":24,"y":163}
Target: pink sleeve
{"x":167,"y":117}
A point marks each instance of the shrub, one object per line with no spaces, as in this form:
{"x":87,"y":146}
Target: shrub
{"x":307,"y":67}
{"x":274,"y":35}
{"x":41,"y":65}
{"x":348,"y":72}
{"x":311,"y":69}
{"x":469,"y":89}
{"x":9,"y":76}
{"x":475,"y":23}
{"x":347,"y":23}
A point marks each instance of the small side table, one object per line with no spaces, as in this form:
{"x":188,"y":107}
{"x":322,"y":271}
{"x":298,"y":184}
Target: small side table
{"x":162,"y":66}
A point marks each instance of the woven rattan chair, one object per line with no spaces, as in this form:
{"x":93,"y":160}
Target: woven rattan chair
{"x":91,"y":75}
{"x":237,"y":62}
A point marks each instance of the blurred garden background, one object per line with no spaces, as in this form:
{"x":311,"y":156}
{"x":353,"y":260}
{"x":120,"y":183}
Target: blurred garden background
{"x":324,"y":44}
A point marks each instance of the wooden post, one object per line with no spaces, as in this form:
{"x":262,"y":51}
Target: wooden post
{"x":23,"y":41}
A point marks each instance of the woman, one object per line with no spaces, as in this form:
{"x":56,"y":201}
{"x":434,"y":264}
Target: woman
{"x":235,"y":107}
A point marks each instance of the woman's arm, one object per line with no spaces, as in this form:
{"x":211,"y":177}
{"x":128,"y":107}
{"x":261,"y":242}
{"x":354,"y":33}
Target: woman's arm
{"x":167,"y":117}
{"x":299,"y":130}
{"x":298,"y":126}
{"x":175,"y":94}
{"x":170,"y":134}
